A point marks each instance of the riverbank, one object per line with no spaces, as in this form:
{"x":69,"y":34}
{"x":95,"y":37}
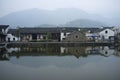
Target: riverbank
{"x":61,"y":43}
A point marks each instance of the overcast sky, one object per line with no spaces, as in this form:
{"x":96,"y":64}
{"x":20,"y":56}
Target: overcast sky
{"x":106,"y":8}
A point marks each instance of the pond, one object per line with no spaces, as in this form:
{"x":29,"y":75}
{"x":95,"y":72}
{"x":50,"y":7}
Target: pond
{"x":55,"y":62}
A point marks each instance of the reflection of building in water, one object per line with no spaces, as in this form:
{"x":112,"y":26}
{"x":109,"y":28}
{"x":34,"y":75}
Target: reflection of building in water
{"x":76,"y":51}
{"x":3,"y":54}
{"x":63,"y":50}
{"x":92,"y":50}
{"x":117,"y":51}
{"x":107,"y":51}
{"x":40,"y":50}
{"x":10,"y":50}
{"x":100,"y":50}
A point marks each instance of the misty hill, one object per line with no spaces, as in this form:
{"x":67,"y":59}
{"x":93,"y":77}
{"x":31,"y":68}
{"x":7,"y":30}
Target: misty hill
{"x":35,"y":17}
{"x":84,"y":23}
{"x":46,"y":25}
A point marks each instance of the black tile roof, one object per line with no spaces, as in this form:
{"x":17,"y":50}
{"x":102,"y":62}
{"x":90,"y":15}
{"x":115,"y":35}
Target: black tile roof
{"x":12,"y":31}
{"x":45,"y":30}
{"x":39,"y":30}
{"x":95,"y":30}
{"x":3,"y":27}
{"x":69,"y":29}
{"x":57,"y":29}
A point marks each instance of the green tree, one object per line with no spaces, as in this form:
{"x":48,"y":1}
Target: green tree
{"x":48,"y":36}
{"x":17,"y":33}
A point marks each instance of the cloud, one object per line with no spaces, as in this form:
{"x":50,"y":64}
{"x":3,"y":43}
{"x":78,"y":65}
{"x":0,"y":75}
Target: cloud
{"x":103,"y":7}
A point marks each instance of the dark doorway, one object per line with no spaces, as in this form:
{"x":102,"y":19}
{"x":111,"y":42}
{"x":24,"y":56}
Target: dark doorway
{"x":8,"y":39}
{"x":13,"y":39}
{"x":34,"y":36}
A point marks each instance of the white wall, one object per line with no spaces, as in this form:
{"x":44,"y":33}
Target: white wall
{"x":62,"y":36}
{"x":106,"y":35}
{"x":11,"y":37}
{"x":5,"y":30}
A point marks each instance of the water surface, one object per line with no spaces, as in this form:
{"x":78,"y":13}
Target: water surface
{"x":60,"y":63}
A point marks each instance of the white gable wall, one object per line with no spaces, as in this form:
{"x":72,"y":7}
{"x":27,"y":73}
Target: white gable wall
{"x":4,"y":31}
{"x":106,"y":33}
{"x":11,"y":37}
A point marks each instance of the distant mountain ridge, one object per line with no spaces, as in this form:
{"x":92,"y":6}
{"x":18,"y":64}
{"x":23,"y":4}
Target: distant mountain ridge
{"x":84,"y":23}
{"x":64,"y":17}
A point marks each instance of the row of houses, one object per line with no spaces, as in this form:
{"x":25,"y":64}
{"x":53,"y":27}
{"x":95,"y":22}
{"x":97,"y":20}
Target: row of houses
{"x":70,"y":34}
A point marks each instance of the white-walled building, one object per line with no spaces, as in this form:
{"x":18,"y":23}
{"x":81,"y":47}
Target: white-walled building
{"x":100,"y":34}
{"x":107,"y":34}
{"x":92,"y":36}
{"x":11,"y":36}
{"x":63,"y":35}
{"x":66,"y":31}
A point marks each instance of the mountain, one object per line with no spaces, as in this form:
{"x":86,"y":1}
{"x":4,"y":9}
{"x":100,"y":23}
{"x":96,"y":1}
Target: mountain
{"x":35,"y":17}
{"x":84,"y":23}
{"x":46,"y":25}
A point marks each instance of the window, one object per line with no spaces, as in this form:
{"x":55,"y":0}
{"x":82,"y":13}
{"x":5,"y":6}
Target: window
{"x":64,"y":34}
{"x":28,"y":36}
{"x":106,"y":52}
{"x":106,"y":32}
{"x":76,"y":36}
{"x":8,"y":39}
{"x":44,"y":37}
{"x":103,"y":37}
{"x":63,"y":38}
{"x":13,"y":39}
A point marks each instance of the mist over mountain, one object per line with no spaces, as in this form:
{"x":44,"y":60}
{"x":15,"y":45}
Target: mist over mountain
{"x":65,"y":16}
{"x":84,"y":23}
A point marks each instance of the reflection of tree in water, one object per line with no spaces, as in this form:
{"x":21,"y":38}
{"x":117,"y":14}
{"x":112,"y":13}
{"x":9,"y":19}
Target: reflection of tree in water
{"x":37,"y":51}
{"x":48,"y":50}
